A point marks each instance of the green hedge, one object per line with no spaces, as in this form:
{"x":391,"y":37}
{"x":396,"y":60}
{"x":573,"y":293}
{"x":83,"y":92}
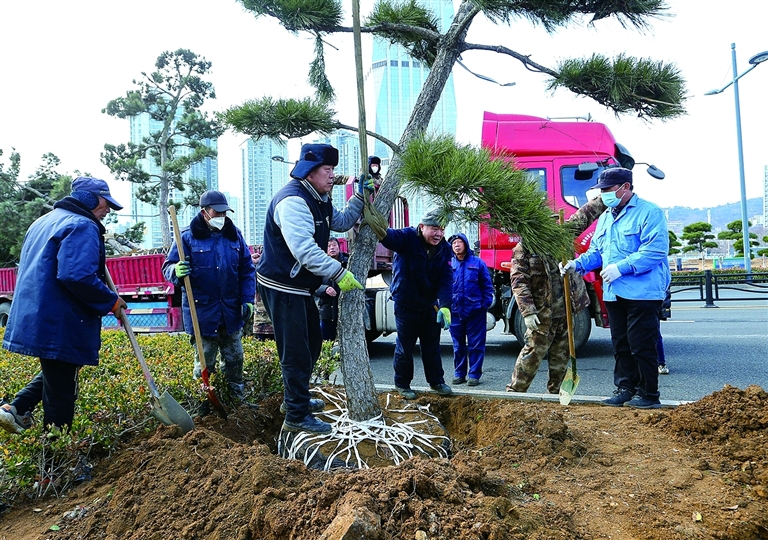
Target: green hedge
{"x":113,"y":404}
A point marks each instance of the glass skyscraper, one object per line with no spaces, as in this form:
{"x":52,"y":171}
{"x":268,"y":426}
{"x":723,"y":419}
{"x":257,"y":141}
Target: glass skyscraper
{"x":262,"y":178}
{"x":398,"y":80}
{"x":142,"y":126}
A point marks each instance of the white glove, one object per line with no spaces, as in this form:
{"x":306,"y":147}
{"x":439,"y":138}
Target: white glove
{"x":568,"y":268}
{"x":610,"y":273}
{"x":532,"y":322}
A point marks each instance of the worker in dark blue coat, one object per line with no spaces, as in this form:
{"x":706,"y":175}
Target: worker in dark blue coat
{"x":223,"y":281}
{"x":421,"y":286}
{"x":60,"y":297}
{"x":472,"y":296}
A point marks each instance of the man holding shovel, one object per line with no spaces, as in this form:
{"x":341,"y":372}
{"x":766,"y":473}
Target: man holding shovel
{"x":222,"y":278}
{"x":61,"y":295}
{"x":631,"y":244}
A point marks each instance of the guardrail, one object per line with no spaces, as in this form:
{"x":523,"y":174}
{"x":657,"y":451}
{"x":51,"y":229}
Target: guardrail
{"x":709,"y":285}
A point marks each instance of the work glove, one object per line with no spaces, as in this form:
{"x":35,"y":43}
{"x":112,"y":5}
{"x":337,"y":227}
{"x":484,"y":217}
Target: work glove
{"x":182,"y":269}
{"x":247,"y":311}
{"x":532,"y":322}
{"x":119,"y":304}
{"x":610,"y":273}
{"x":567,"y":268}
{"x":348,"y":282}
{"x":444,"y":317}
{"x":375,"y":220}
{"x":365,"y":182}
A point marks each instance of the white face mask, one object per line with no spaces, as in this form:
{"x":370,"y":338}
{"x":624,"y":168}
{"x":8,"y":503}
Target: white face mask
{"x":216,"y":223}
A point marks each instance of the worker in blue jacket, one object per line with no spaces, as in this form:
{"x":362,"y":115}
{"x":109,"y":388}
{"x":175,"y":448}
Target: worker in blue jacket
{"x":631,"y":244}
{"x":60,"y":297}
{"x":224,"y":285}
{"x":421,"y":285}
{"x":472,"y":296}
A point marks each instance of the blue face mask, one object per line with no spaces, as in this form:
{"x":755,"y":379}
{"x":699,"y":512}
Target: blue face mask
{"x":610,"y":199}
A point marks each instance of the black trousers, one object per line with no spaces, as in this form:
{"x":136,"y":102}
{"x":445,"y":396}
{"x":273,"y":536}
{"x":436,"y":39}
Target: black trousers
{"x":56,"y":386}
{"x":634,"y":333}
{"x":296,"y":324}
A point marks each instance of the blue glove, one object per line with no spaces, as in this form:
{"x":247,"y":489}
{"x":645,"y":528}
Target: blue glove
{"x":365,"y":182}
{"x":444,"y":317}
{"x":182,"y":269}
{"x":247,"y":311}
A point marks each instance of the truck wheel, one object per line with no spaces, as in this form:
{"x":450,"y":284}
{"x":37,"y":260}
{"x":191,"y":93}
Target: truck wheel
{"x":5,"y":309}
{"x":582,"y":327}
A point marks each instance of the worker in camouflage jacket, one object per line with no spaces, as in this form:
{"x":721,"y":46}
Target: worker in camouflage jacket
{"x":539,"y":292}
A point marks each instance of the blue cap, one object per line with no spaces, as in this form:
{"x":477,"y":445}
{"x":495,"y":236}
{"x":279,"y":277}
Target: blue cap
{"x":97,"y":187}
{"x":615,"y":176}
{"x":313,"y":156}
{"x":216,"y":200}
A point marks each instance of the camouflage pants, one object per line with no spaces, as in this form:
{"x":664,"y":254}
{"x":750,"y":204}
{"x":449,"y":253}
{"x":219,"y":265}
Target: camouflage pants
{"x":551,"y":337}
{"x":231,"y":360}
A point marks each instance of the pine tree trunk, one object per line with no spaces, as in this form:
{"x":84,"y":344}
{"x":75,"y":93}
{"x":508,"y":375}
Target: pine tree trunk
{"x":362,"y":401}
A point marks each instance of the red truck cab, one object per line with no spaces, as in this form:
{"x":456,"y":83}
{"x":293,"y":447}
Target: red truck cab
{"x":565,"y":159}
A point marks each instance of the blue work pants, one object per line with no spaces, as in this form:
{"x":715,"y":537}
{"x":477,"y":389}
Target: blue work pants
{"x":468,"y":335}
{"x":421,"y":325}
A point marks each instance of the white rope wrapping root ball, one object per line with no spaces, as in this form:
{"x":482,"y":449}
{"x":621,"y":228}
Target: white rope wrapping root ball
{"x":397,"y":441}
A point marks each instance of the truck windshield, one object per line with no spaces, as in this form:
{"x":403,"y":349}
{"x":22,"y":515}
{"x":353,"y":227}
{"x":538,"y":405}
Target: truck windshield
{"x":575,"y":191}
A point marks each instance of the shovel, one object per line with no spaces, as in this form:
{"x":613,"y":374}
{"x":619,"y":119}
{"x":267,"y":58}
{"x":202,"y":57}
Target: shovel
{"x":166,"y":409}
{"x":571,"y":380}
{"x":207,"y":388}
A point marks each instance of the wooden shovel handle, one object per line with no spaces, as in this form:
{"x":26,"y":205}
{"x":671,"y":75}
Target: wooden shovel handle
{"x":188,"y":288}
{"x":568,"y":307}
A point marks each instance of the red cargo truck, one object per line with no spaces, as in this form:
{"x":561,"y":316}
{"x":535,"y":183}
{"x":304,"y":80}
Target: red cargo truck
{"x":565,"y":159}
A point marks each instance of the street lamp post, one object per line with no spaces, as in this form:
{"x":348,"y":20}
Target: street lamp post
{"x":754,"y":61}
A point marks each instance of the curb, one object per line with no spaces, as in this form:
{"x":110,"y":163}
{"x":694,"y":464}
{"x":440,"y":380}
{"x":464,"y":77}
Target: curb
{"x":523,"y":396}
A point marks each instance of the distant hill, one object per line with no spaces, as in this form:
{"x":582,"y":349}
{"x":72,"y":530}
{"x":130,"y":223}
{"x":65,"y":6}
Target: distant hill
{"x":720,"y":215}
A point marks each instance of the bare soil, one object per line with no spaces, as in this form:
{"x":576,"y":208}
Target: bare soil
{"x":518,"y":471}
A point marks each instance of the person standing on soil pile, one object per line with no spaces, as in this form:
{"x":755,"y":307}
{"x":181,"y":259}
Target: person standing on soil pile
{"x":472,"y":296}
{"x":631,"y":245}
{"x":294,"y":263}
{"x":328,"y":295}
{"x":222,"y":278}
{"x":61,"y":295}
{"x":421,"y":284}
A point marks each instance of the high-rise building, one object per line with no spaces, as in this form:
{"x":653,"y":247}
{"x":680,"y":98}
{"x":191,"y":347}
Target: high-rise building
{"x":262,"y":177}
{"x":142,"y":126}
{"x":398,"y":80}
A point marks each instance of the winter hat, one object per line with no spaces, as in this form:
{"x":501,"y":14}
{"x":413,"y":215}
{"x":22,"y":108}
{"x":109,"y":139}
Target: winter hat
{"x":312,"y":157}
{"x":96,"y":187}
{"x":216,"y":200}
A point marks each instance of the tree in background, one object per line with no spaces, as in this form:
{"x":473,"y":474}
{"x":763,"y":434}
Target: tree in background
{"x":646,"y":88}
{"x":172,"y":96}
{"x":697,"y":238}
{"x":734,"y":233}
{"x":673,"y":243}
{"x":764,"y":251}
{"x":21,"y":203}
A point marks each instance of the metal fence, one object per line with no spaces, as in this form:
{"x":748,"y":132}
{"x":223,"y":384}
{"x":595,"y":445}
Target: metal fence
{"x":752,"y":286}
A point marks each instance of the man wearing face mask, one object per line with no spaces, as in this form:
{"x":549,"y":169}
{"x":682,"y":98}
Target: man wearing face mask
{"x":631,"y":244}
{"x":61,"y":295}
{"x":224,"y":285}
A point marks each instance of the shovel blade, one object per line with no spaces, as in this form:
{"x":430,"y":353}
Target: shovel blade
{"x":568,"y":387}
{"x":168,"y":411}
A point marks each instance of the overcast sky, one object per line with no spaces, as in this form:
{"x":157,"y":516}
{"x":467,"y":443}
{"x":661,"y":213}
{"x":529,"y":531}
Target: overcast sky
{"x":62,"y":61}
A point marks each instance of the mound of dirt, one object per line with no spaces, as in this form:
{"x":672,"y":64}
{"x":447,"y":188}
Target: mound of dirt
{"x":518,"y":471}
